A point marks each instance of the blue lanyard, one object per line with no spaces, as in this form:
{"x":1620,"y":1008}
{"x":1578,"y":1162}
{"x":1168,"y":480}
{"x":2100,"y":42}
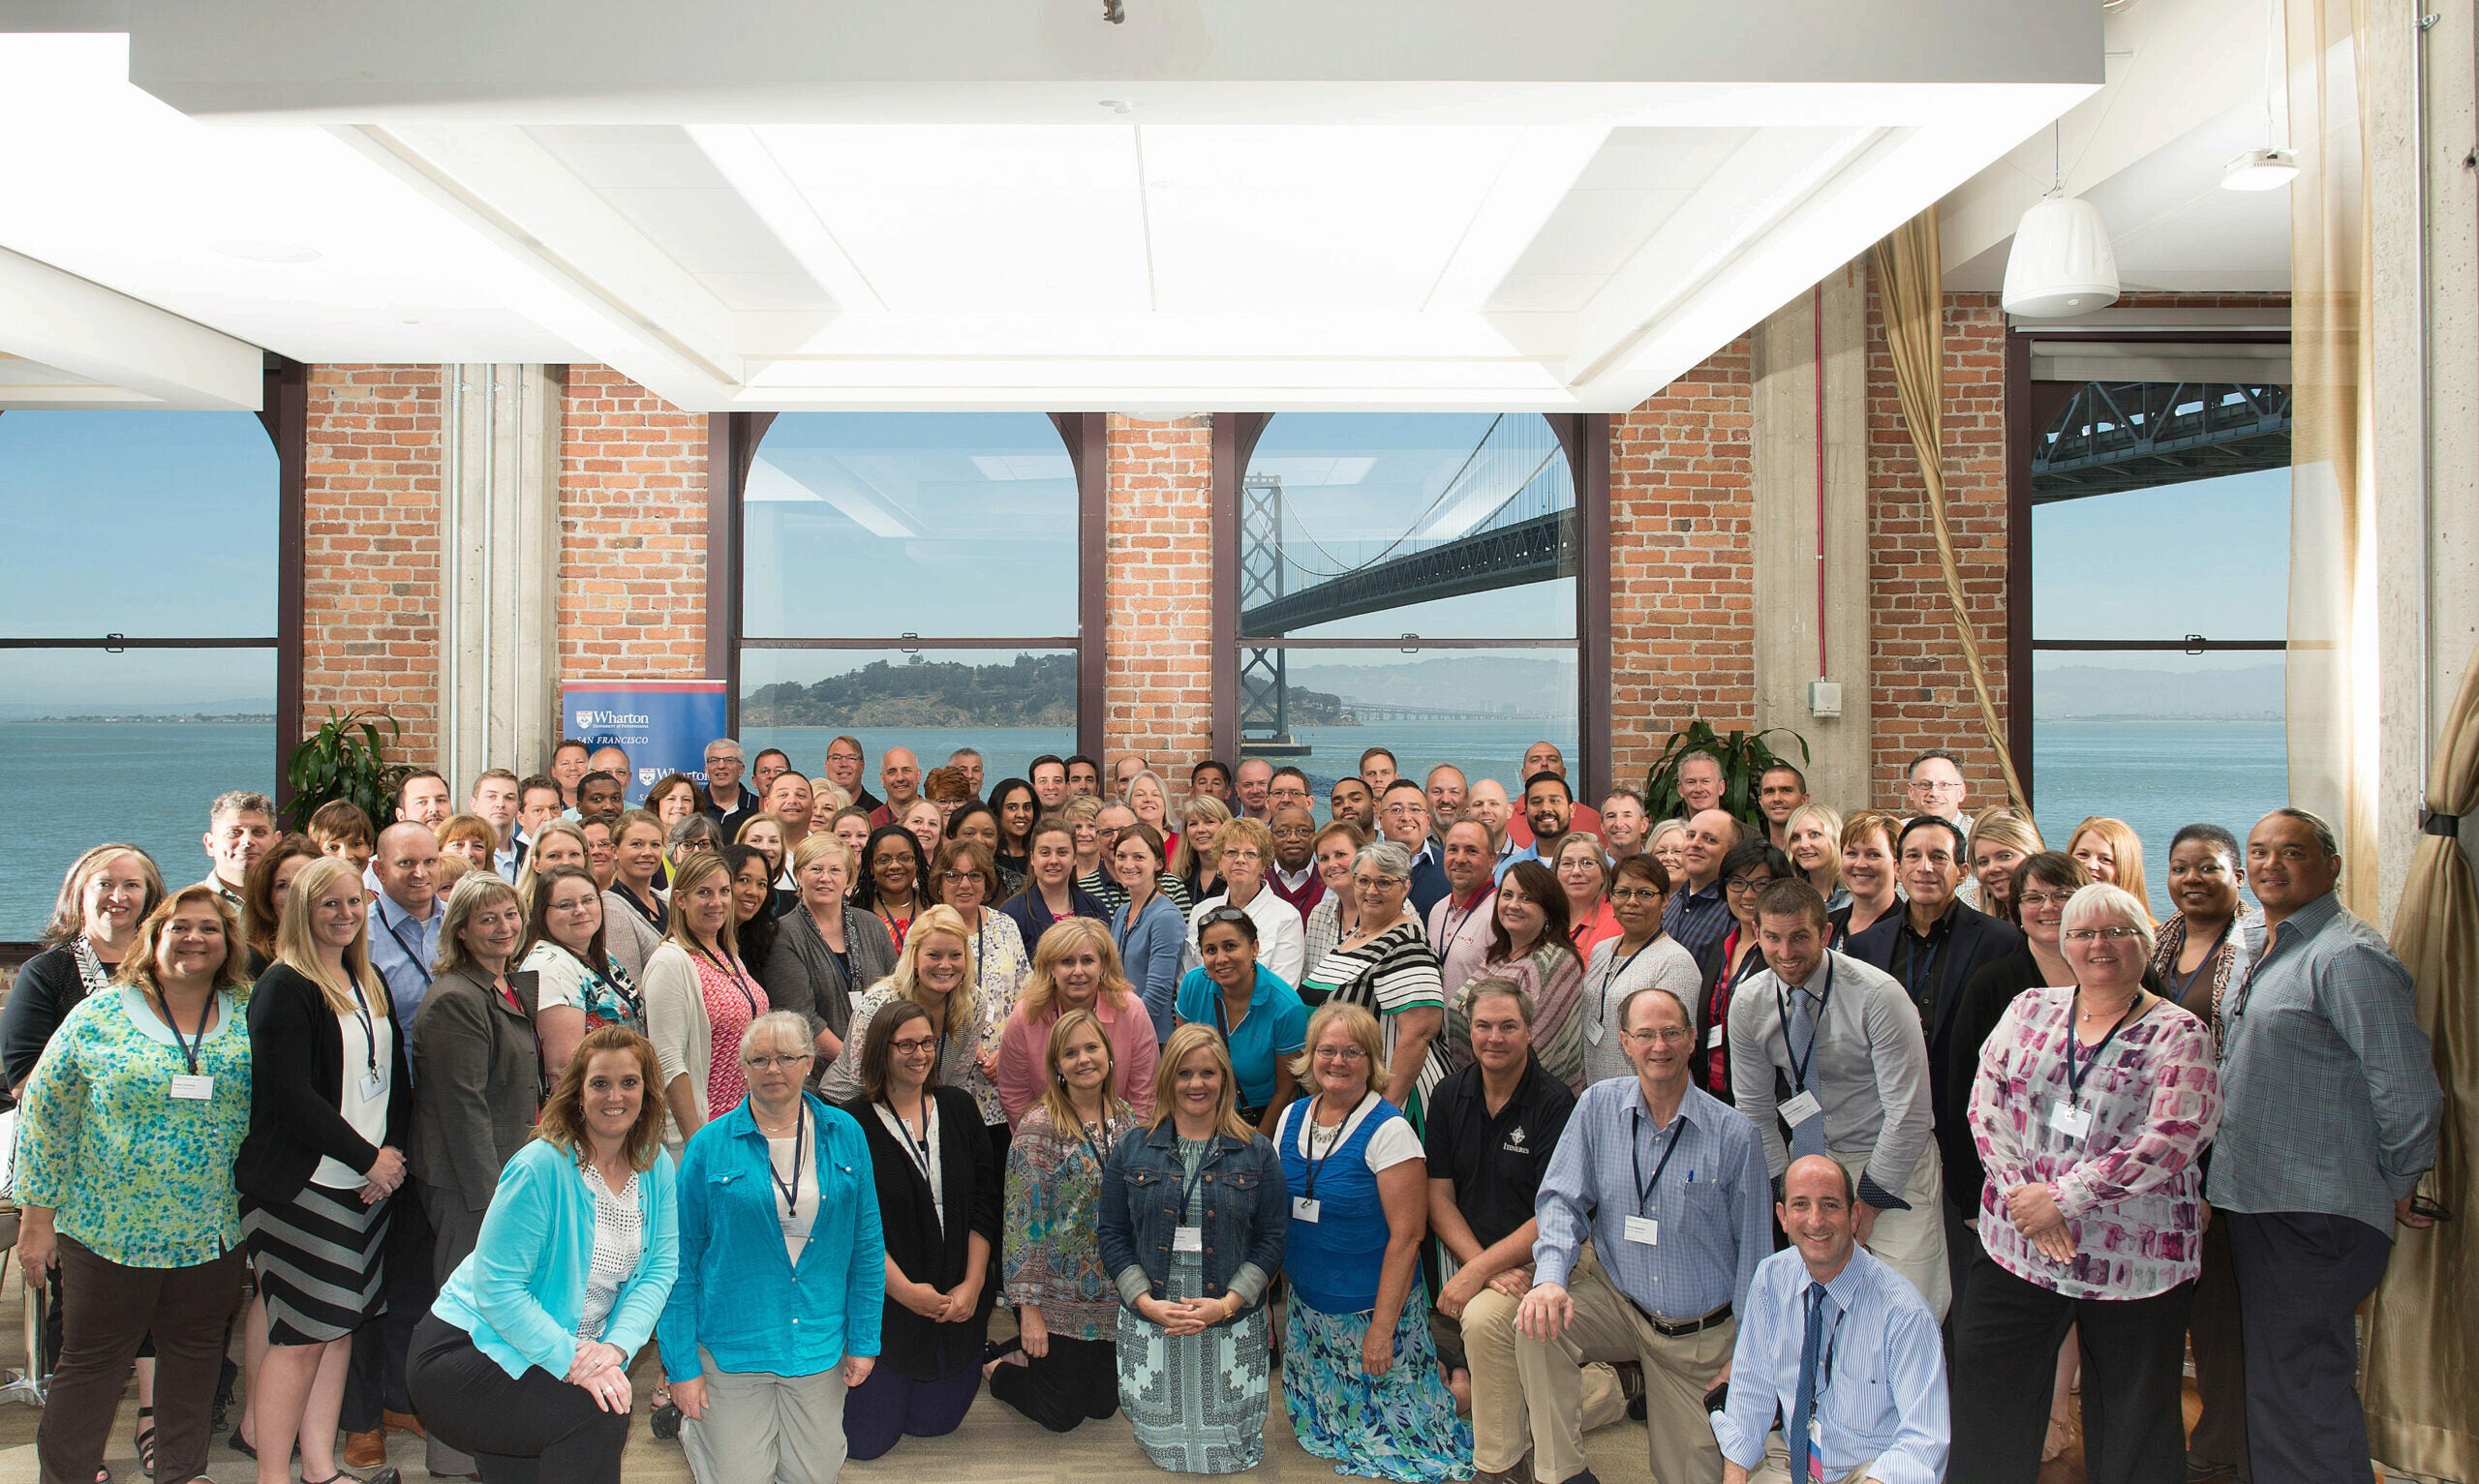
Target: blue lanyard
{"x":2205,"y":967}
{"x":413,"y":950}
{"x":2074,"y":1075}
{"x":1635,"y":1155}
{"x":1617,"y":971}
{"x":1800,"y":1065}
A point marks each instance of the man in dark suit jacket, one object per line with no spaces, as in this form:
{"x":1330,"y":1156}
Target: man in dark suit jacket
{"x":1934,"y":946}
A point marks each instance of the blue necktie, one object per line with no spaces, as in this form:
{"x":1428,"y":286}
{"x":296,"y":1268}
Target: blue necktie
{"x":1807,"y":1138}
{"x":1804,"y":1405}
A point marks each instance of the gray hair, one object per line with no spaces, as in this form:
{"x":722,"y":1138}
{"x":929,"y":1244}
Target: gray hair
{"x":240,"y":801}
{"x":2325,"y":839}
{"x":696,"y":829}
{"x":783,"y":1029}
{"x":2103,"y":898}
{"x":732,"y":742}
{"x":1482,"y":986}
{"x":1392,"y":861}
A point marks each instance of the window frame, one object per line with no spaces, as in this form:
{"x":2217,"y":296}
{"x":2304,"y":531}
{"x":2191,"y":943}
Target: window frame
{"x":1585,"y":437}
{"x":732,"y":440}
{"x":2030,"y":406}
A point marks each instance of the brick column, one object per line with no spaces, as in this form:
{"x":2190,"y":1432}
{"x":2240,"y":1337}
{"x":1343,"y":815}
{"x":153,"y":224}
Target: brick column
{"x":1158,"y":659}
{"x":633,"y":533}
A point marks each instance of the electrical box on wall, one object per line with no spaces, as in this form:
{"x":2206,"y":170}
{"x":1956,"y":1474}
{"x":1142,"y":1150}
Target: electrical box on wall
{"x":1825,"y":698}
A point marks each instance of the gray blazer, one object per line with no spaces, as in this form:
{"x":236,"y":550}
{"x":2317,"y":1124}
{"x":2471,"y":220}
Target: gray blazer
{"x":801,"y":971}
{"x":477,"y":1073}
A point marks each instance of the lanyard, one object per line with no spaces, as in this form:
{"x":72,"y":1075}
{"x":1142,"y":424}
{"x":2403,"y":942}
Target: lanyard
{"x":791,"y":1188}
{"x":2210,"y":959}
{"x":1189,"y":1183}
{"x":918,"y":1150}
{"x":1923,"y":967}
{"x":2074,"y":1075}
{"x":1454,"y":924}
{"x":1085,"y":1132}
{"x":1782,"y":993}
{"x":739,"y":981}
{"x":1221,"y":1014}
{"x":412,"y":951}
{"x":369,"y":1029}
{"x":1616,"y":972}
{"x":1832,"y":1339}
{"x":1636,"y":1157}
{"x":1308,"y":1141}
{"x":894,"y":929}
{"x":190,"y":1048}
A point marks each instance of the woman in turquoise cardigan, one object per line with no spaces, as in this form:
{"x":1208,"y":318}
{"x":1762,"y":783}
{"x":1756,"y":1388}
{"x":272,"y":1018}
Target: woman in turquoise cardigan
{"x":523,"y":1361}
{"x":759,"y":1349}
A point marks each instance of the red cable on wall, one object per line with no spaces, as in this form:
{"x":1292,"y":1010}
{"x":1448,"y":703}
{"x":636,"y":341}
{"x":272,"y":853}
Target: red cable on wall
{"x":1821,"y":671}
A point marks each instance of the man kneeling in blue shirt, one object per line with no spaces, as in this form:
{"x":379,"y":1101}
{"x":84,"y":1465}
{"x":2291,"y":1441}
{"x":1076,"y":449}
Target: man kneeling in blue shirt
{"x":1846,"y":1349}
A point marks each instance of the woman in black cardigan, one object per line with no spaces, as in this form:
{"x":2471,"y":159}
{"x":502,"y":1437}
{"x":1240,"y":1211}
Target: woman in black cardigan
{"x":923,"y":1138}
{"x":328,"y":1118}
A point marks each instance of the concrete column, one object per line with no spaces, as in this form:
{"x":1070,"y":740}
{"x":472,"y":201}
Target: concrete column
{"x":1810,"y":460}
{"x":2427,"y":562}
{"x":500,"y":570}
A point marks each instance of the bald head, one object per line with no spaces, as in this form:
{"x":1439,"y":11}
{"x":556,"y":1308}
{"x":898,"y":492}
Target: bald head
{"x":407,"y":865}
{"x":1710,"y":834}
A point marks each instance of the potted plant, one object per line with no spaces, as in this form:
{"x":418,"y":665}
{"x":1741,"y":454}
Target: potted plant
{"x":346,"y":758}
{"x":1744,"y":756}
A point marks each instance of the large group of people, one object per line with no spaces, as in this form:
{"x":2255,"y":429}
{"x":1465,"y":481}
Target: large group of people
{"x":1829,"y":1145}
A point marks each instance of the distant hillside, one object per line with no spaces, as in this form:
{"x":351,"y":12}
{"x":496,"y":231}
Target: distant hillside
{"x":2075,"y":692}
{"x":249,"y":708}
{"x":1524,"y":683}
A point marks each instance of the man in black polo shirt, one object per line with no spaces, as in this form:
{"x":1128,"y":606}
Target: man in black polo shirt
{"x":1491,"y":1130}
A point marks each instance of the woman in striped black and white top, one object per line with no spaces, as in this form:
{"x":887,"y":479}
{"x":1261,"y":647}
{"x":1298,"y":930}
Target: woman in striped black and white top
{"x":1387,"y":967}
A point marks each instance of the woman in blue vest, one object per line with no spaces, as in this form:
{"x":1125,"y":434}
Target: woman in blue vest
{"x":1360,"y":1372}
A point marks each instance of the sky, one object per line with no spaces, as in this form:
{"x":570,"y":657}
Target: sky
{"x":2210,"y":557}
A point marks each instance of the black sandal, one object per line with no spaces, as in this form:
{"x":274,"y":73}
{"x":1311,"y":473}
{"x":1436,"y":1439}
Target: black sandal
{"x":146,"y":1439}
{"x":341,"y":1476}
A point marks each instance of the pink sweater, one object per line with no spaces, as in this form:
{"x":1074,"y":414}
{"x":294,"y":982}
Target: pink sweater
{"x":1134,"y":1054}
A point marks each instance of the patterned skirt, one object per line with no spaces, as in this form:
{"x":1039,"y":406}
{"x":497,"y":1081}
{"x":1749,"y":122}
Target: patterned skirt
{"x":1397,"y":1426}
{"x":1198,"y":1401}
{"x":317,"y":1262}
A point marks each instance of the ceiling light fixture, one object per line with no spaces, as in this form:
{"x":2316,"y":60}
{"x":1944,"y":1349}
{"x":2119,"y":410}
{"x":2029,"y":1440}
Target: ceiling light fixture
{"x":2061,"y":264}
{"x":2275,"y":165}
{"x":253,"y":250}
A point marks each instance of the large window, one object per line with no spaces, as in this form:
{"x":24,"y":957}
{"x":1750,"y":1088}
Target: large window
{"x":138,"y":636}
{"x":1410,"y":580}
{"x":916,"y":580}
{"x":2159,"y":561}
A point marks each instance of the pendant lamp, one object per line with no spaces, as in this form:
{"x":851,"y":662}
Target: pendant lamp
{"x":2061,"y":264}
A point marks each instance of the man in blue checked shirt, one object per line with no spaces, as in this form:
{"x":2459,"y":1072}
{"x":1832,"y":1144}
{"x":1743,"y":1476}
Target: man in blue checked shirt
{"x":1842,"y":1346}
{"x":1669,"y":1183}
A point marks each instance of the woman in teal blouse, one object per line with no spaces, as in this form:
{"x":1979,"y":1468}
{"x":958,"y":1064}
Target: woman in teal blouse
{"x":126,"y":1137}
{"x":523,"y":1361}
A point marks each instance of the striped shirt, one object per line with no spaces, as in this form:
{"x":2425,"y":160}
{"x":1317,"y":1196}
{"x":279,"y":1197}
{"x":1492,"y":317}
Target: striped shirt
{"x":1697,"y":920}
{"x":1391,"y":973}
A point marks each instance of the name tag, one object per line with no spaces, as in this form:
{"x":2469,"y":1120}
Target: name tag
{"x":192,"y":1087}
{"x":1188,"y":1239}
{"x":2067,"y":1119}
{"x":1593,"y":1032}
{"x":1303,"y":1209}
{"x":374,"y":1086}
{"x":1801,"y":1109}
{"x":1644,"y":1229}
{"x":1713,"y":1038}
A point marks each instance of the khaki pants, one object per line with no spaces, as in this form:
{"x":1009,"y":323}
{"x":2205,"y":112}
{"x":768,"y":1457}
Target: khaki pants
{"x":765,"y":1429}
{"x":1912,"y":1242}
{"x":1776,"y":1467}
{"x":1501,"y":1426}
{"x":1677,"y":1374}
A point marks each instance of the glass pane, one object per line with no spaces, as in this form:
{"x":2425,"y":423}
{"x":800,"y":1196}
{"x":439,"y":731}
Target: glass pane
{"x":2160,"y":741}
{"x":1013,"y":706}
{"x":1477,"y":709}
{"x":946,"y":524}
{"x":1374,"y":525}
{"x":97,"y":748}
{"x":2207,"y":556}
{"x":160,"y":524}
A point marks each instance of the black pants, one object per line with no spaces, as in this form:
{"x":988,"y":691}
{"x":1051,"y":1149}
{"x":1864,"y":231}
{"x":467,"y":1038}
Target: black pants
{"x":2134,"y":1429}
{"x":533,"y":1428}
{"x":1077,"y":1380}
{"x":2302,"y":1276}
{"x":376,"y":1379}
{"x":110,"y":1310}
{"x":2216,"y":1334}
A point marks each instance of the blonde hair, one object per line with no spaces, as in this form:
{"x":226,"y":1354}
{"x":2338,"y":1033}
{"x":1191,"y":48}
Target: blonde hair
{"x":690,"y":873}
{"x":467,"y":827}
{"x":822,"y":842}
{"x":2101,"y":898}
{"x":69,"y":913}
{"x":1863,"y":822}
{"x":1185,"y":1042}
{"x":296,"y":950}
{"x":1830,"y":817}
{"x":1653,"y":836}
{"x":1081,"y":810}
{"x":1055,"y":1099}
{"x":1202,"y":808}
{"x":1254,"y":833}
{"x":962,"y":1019}
{"x":1065,"y":937}
{"x":2125,"y":855}
{"x":476,"y":892}
{"x":1365,"y":1034}
{"x":2005,"y":824}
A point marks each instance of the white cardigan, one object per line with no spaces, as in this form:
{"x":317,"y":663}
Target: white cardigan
{"x":676,"y":1023}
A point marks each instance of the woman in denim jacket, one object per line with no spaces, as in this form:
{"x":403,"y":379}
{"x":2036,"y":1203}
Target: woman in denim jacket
{"x":1193,"y":1214}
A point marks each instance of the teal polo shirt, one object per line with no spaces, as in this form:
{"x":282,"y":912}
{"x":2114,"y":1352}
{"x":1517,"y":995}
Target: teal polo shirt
{"x":1276,"y":1026}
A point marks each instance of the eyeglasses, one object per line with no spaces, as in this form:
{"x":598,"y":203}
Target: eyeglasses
{"x":1221,"y":914}
{"x":1635,"y":894}
{"x":913,"y":1047}
{"x":2031,"y":900}
{"x":1341,"y":1054}
{"x":1666,"y":1035}
{"x":770,"y":1063}
{"x":1923,"y":786}
{"x":958,"y":878}
{"x":2107,"y":934}
{"x":1747,"y":882}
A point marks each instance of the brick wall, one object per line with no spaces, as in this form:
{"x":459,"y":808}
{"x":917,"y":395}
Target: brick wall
{"x":1158,"y":652}
{"x":1682,"y":569}
{"x":1923,"y":698}
{"x":370,"y":548}
{"x":633,"y":531}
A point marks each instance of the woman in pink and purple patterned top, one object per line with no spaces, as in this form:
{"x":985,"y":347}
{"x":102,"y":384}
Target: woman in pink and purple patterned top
{"x":2092,"y":1105}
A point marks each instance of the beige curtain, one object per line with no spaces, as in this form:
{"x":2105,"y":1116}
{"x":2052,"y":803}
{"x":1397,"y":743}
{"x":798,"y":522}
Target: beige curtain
{"x":1913,"y":291}
{"x":2422,"y":1374}
{"x":2332,"y":587}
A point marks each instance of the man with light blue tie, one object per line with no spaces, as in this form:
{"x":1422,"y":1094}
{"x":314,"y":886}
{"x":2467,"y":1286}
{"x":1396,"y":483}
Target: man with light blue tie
{"x":1842,"y":1346}
{"x":1667,"y":1182}
{"x":1846,"y":1041}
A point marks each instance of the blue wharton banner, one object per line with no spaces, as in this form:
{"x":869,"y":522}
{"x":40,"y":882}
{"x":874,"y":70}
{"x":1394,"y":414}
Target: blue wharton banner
{"x":662,"y":725}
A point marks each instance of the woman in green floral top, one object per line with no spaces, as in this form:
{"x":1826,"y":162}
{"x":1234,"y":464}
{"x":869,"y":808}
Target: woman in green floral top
{"x":126,"y":1136}
{"x":1066,"y":1305}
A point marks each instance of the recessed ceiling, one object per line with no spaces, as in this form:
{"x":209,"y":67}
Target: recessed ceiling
{"x":1002,"y":204}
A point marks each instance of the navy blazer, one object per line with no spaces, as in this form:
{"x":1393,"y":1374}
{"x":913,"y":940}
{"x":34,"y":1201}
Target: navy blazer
{"x":1032,"y":914}
{"x":1973,"y":941}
